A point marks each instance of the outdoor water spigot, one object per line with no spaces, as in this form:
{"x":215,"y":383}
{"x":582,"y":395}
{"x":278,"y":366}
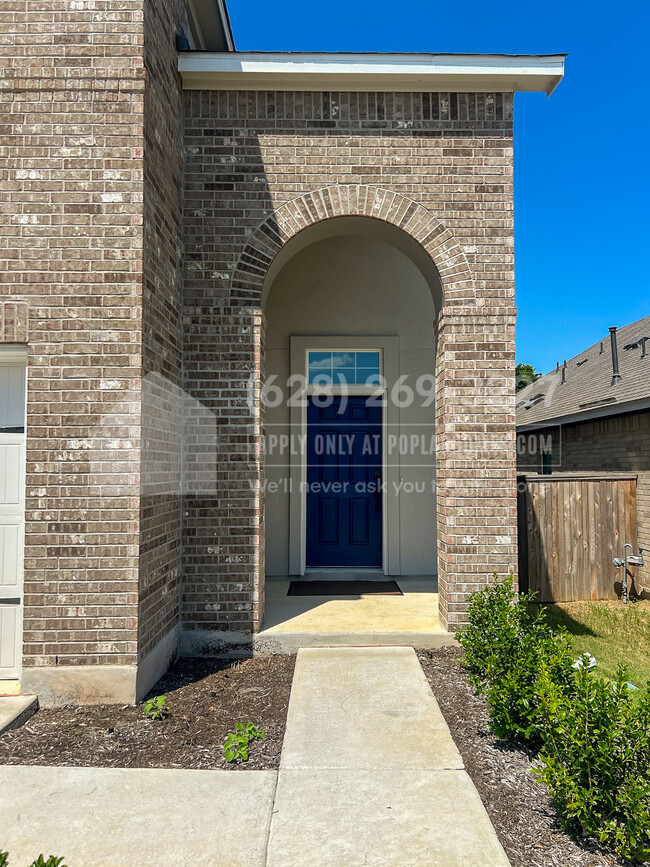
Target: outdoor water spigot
{"x":618,"y":562}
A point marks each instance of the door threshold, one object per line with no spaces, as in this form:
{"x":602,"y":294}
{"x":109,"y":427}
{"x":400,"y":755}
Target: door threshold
{"x":340,"y":573}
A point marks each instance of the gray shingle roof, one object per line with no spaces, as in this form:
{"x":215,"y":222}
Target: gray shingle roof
{"x":588,"y":388}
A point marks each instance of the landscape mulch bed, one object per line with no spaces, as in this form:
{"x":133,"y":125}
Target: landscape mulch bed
{"x":519,"y":806}
{"x":206,"y":698}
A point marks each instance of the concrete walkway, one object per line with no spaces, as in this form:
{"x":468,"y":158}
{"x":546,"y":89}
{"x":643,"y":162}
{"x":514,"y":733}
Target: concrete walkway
{"x":369,"y":776}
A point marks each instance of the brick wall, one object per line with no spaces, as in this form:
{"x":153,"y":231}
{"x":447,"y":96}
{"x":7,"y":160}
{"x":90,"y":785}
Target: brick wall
{"x":14,"y":321}
{"x":160,"y":506}
{"x":71,"y":246}
{"x":248,"y":156}
{"x":90,"y":153}
{"x":617,"y":443}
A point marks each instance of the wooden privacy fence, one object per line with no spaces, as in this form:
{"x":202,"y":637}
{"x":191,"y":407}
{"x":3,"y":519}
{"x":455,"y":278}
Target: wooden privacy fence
{"x":571,"y":526}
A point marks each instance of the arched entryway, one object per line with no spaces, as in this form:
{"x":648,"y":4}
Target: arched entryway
{"x":415,"y":241}
{"x":421,"y":225}
{"x":473,"y":519}
{"x":350,"y":305}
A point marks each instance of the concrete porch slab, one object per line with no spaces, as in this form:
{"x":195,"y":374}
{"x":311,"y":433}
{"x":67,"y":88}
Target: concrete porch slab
{"x":292,"y":622}
{"x":16,"y":710}
{"x":388,"y":818}
{"x":365,"y":708}
{"x":114,"y":817}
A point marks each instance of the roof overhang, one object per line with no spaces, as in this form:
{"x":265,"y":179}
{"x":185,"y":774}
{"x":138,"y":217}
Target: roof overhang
{"x":209,"y":25}
{"x":589,"y":415}
{"x":454,"y":73}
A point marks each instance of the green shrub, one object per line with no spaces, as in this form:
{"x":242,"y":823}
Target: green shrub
{"x":513,"y":695}
{"x":491,"y":630}
{"x":594,"y":735}
{"x":156,"y":708}
{"x":506,"y":642}
{"x":596,"y":758}
{"x":40,"y":861}
{"x":236,"y":746}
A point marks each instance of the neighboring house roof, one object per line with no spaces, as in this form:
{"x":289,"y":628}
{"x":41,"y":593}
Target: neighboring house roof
{"x":472,"y":73}
{"x":589,"y":390}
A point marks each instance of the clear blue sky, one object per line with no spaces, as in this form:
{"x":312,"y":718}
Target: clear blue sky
{"x":582,"y":191}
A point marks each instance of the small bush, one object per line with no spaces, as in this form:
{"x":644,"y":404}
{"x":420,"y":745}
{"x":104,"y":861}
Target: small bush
{"x":491,"y":632}
{"x":236,"y":746}
{"x":4,"y":859}
{"x":596,"y":758}
{"x":156,"y":708}
{"x":506,"y":642}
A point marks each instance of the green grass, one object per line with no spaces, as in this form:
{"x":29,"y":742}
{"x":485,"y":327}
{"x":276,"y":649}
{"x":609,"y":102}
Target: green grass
{"x":610,"y":631}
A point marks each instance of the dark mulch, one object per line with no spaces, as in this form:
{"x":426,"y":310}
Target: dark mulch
{"x":519,"y":807}
{"x":206,"y":698}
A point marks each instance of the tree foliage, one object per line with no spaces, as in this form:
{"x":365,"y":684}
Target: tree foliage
{"x":524,"y":375}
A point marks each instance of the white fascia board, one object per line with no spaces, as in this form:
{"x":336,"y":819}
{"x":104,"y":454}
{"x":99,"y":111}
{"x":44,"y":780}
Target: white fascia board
{"x":468,"y":73}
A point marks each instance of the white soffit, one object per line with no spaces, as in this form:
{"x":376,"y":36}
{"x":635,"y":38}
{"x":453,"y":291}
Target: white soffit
{"x":468,"y":73}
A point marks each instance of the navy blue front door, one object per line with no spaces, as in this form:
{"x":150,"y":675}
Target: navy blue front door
{"x":344,"y":502}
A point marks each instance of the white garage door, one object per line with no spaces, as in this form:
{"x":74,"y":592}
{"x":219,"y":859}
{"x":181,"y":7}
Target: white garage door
{"x":12,"y":508}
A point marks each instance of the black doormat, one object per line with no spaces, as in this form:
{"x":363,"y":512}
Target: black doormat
{"x":344,"y":588}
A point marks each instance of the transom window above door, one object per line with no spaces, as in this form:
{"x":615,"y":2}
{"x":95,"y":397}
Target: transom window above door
{"x":344,"y":368}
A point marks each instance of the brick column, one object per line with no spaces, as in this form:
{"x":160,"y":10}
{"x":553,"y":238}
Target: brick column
{"x":476,"y":455}
{"x":223,"y":593}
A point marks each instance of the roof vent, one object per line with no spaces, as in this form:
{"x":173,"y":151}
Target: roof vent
{"x":612,"y":337}
{"x":640,"y":342}
{"x":597,"y":402}
{"x":563,"y":373}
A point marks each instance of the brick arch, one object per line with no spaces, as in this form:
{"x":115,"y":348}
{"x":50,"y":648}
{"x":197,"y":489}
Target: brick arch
{"x":345,"y":200}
